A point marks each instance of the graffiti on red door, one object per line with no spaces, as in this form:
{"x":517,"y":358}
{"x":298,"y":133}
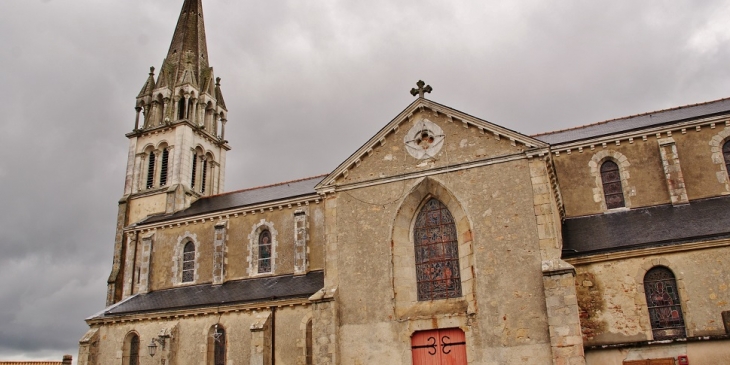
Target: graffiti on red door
{"x":439,"y":347}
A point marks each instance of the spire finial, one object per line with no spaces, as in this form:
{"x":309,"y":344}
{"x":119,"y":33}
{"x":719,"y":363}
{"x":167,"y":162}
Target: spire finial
{"x":421,"y":89}
{"x":217,"y":81}
{"x":152,"y":70}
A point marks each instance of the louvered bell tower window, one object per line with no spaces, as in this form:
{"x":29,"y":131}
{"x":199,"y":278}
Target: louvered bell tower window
{"x":164,"y":164}
{"x":612,"y":189}
{"x":195,"y":167}
{"x":204,"y":176}
{"x":151,"y":171}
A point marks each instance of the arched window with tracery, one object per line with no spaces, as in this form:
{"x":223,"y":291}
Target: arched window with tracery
{"x":163,"y":166}
{"x":150,"y":170}
{"x":188,"y":263}
{"x":264,"y":251}
{"x":662,"y":299}
{"x":612,"y":189}
{"x":437,"y":253}
{"x":726,"y":155}
{"x":131,"y":350}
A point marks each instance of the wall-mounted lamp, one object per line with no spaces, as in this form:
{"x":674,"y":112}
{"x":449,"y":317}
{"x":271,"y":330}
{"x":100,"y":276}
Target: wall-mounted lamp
{"x":152,"y":347}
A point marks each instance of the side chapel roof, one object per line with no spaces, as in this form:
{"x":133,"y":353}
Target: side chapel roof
{"x":242,"y":198}
{"x":251,"y":290}
{"x":635,"y":122}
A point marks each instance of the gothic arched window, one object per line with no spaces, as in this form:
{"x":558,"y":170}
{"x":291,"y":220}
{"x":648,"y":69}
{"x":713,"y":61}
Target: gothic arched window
{"x":188,"y":263}
{"x":662,"y":298}
{"x":151,"y":170}
{"x":612,"y":189}
{"x":264,"y":249}
{"x":163,"y":166}
{"x":131,"y":350}
{"x":437,"y":253}
{"x":726,"y":155}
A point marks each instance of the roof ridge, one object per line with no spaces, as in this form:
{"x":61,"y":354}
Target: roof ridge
{"x":628,"y":117}
{"x":269,"y":185}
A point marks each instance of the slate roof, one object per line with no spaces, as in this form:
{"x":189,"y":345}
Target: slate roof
{"x":232,"y":292}
{"x":634,"y":122}
{"x":647,"y":227}
{"x":242,"y":198}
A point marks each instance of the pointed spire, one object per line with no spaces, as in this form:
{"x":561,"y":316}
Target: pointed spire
{"x":149,"y":85}
{"x":187,"y":58}
{"x":219,"y":94}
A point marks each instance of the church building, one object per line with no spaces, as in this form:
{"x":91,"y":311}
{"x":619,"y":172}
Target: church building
{"x":444,"y":239}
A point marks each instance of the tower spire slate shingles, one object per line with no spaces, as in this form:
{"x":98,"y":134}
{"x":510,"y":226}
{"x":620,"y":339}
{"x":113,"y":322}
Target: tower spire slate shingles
{"x":187,"y":58}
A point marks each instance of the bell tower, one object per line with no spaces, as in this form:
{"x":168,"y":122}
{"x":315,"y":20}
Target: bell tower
{"x":177,"y":149}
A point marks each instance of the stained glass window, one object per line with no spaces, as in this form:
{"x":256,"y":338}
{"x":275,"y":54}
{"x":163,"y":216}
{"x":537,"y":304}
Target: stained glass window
{"x":662,"y":298}
{"x":612,"y":189}
{"x":726,"y":155}
{"x":264,"y":251}
{"x":437,"y":253}
{"x":188,"y":263}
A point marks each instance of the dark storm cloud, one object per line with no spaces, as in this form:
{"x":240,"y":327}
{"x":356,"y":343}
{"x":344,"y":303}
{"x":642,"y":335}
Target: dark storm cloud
{"x":306,"y":82}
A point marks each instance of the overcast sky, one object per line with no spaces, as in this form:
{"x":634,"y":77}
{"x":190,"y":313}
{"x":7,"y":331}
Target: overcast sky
{"x":306,"y":84}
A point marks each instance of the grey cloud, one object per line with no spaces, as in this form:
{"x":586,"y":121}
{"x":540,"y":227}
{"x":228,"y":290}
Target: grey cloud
{"x":306,"y":82}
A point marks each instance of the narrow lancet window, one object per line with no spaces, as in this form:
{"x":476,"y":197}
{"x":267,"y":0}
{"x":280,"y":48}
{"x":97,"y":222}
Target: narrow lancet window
{"x":264,"y":252}
{"x":219,"y":340}
{"x":131,"y":350}
{"x":181,"y":109}
{"x":612,"y":189}
{"x":151,"y":171}
{"x":188,"y":263}
{"x":665,"y":309}
{"x":163,"y":167}
{"x":308,"y":344}
{"x":437,"y":253}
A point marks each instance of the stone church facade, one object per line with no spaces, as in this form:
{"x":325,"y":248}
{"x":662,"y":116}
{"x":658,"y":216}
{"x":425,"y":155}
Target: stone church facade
{"x":445,"y":239}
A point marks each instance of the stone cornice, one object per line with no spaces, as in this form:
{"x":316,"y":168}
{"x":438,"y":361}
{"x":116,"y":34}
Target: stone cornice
{"x":634,"y":253}
{"x":643,"y":135}
{"x":228,"y":213}
{"x":167,"y":127}
{"x":195,"y":312}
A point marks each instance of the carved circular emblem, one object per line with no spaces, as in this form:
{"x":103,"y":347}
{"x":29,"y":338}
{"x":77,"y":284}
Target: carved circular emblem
{"x":424,"y":140}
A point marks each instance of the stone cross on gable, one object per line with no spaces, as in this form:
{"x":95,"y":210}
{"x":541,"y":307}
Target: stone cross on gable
{"x":421,"y":89}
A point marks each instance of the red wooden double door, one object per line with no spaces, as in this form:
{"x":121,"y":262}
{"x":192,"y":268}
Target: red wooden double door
{"x":439,"y":347}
